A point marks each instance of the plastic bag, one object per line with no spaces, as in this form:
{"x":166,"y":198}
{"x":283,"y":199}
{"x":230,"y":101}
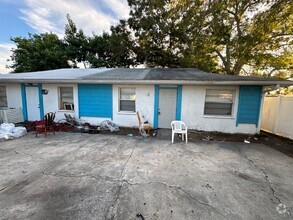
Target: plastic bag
{"x":19,"y":131}
{"x":7,"y":128}
{"x":142,"y":131}
{"x":9,"y":131}
{"x":109,"y":125}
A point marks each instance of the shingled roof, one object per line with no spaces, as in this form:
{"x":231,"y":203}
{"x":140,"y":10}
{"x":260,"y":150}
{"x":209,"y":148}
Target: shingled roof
{"x":184,"y":76}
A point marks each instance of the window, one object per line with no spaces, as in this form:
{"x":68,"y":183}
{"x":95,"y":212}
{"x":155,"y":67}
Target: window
{"x":127,"y":99}
{"x":3,"y":97}
{"x":218,"y":102}
{"x":66,"y":98}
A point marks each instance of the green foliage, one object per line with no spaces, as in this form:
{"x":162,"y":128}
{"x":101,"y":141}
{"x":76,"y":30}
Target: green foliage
{"x":77,"y":44}
{"x":38,"y":52}
{"x":197,"y":33}
{"x":112,"y":50}
{"x":164,"y":35}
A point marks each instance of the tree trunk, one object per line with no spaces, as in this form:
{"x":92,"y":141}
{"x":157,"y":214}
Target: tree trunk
{"x":237,"y":67}
{"x":228,"y":66}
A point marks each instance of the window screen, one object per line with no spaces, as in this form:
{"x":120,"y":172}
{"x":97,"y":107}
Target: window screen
{"x":66,"y":98}
{"x":218,"y":102}
{"x":127,"y":99}
{"x":3,"y":97}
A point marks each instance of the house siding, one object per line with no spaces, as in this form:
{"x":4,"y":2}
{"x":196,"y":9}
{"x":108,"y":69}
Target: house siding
{"x":95,"y":100}
{"x":104,"y":104}
{"x":51,"y":100}
{"x":13,"y":93}
{"x":144,"y":104}
{"x":192,"y":112}
{"x":249,"y":105}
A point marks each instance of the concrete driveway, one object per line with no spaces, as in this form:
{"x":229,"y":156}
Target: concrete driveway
{"x":74,"y":176}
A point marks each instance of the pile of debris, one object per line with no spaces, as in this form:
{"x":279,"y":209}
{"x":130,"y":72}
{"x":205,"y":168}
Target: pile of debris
{"x":79,"y":125}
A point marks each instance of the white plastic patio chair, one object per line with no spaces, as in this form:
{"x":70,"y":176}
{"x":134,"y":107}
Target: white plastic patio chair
{"x":179,"y":127}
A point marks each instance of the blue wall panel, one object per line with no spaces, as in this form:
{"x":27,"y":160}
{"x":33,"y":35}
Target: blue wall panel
{"x":95,"y":100}
{"x":249,"y":105}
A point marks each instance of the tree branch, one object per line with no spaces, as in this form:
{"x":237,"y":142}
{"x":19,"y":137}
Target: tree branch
{"x":222,"y":57}
{"x":225,"y":62}
{"x":231,"y":12}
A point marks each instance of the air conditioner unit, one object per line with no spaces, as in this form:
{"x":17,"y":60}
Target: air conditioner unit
{"x":13,"y":115}
{"x":68,"y":106}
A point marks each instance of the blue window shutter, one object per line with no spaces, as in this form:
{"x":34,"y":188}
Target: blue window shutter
{"x":179,"y":103}
{"x":95,"y":100}
{"x":156,"y":106}
{"x":249,"y":105}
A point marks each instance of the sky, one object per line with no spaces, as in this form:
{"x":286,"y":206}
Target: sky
{"x":20,"y":17}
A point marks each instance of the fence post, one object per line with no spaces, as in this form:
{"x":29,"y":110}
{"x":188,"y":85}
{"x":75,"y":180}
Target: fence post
{"x":278,"y":107}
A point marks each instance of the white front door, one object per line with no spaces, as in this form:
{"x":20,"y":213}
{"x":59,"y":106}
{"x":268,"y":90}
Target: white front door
{"x":167,"y":107}
{"x":32,"y":103}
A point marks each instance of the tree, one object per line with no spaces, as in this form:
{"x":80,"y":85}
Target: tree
{"x":274,"y":28}
{"x":183,"y":33}
{"x":99,"y":52}
{"x":156,"y":33}
{"x":122,"y":45}
{"x":77,"y":44}
{"x":38,"y":52}
{"x":112,"y":50}
{"x":245,"y":35}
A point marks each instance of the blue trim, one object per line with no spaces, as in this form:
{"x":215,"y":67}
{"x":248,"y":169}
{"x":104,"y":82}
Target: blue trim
{"x":156,"y":102}
{"x":156,"y":107}
{"x":167,"y":87}
{"x":41,"y":103}
{"x":24,"y":103}
{"x":178,"y":103}
{"x":23,"y":98}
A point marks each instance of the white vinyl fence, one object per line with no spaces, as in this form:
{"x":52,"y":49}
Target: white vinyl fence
{"x":277,"y":115}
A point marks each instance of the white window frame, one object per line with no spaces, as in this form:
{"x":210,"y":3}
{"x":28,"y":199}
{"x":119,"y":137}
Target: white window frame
{"x":234,"y":94}
{"x":59,"y":98}
{"x":119,"y":99}
{"x":5,"y":107}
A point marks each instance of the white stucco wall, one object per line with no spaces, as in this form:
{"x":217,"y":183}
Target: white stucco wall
{"x":193,"y":100}
{"x":192,"y":113}
{"x":13,"y":92}
{"x":51,"y":100}
{"x":144,"y":104}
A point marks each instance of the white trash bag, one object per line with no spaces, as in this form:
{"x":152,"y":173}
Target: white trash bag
{"x":9,"y":131}
{"x":109,"y":125}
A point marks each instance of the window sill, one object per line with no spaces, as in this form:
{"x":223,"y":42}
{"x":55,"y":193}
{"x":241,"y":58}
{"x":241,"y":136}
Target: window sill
{"x":66,"y":111}
{"x":219,"y":116}
{"x":126,"y":113}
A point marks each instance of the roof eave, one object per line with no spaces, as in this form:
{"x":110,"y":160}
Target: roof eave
{"x":148,"y":82}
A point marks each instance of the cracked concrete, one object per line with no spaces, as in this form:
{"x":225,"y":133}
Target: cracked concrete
{"x":73,"y":176}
